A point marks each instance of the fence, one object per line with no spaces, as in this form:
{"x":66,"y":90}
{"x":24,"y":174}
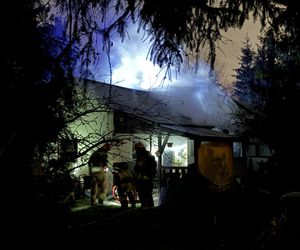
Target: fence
{"x":171,"y":174}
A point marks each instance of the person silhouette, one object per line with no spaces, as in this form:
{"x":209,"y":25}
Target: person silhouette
{"x":98,"y":167}
{"x":145,"y":171}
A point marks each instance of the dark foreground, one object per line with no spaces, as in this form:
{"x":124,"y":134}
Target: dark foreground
{"x":215,"y":221}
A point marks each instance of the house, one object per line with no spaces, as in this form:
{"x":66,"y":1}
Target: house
{"x":256,"y":151}
{"x":129,"y":116}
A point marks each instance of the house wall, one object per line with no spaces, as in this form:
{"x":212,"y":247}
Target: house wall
{"x":96,"y":127}
{"x":190,"y":152}
{"x":122,"y":153}
{"x":257,"y":153}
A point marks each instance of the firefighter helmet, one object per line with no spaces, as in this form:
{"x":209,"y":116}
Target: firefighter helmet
{"x":139,"y":145}
{"x":106,"y":147}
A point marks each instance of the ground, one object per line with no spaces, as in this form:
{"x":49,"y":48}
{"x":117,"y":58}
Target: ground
{"x":216,"y":221}
{"x":212,"y":221}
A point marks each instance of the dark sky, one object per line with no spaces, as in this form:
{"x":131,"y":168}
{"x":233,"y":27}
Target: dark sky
{"x":228,"y":59}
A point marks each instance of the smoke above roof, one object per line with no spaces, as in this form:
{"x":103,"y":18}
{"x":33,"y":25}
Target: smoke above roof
{"x":195,"y":93}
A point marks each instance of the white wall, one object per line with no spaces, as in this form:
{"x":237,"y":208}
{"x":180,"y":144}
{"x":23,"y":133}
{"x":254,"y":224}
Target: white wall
{"x":92,"y":128}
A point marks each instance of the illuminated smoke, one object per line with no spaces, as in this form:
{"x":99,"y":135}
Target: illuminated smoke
{"x":196,"y":94}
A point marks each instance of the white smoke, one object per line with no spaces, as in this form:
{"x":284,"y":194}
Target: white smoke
{"x":130,"y":65}
{"x":197,"y":93}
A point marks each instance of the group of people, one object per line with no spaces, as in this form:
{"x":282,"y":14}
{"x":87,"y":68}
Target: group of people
{"x":139,"y":180}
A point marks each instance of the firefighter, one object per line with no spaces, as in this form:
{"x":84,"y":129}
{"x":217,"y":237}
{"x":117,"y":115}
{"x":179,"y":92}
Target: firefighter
{"x":124,"y":180}
{"x":98,"y":168}
{"x":145,"y":171}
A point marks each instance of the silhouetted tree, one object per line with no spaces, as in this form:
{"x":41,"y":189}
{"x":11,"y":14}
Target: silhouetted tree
{"x":273,"y":118}
{"x":245,"y":74}
{"x":36,"y":88}
{"x":175,"y":30}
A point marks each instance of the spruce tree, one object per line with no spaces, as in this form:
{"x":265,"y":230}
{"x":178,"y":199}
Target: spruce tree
{"x":245,"y":74}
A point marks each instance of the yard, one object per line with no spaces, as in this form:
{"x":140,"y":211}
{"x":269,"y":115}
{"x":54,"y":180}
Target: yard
{"x":213,"y":221}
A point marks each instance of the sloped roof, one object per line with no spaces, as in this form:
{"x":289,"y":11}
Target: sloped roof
{"x":147,"y":105}
{"x":203,"y":132}
{"x":153,"y":107}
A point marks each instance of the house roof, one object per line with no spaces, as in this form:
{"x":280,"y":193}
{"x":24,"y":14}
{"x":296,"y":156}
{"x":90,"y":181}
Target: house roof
{"x":204,"y":133}
{"x":147,"y":105}
{"x":153,"y":107}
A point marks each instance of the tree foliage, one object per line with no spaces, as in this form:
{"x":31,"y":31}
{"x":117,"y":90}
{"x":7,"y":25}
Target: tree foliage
{"x":274,"y":118}
{"x":37,"y":93}
{"x":245,"y":74}
{"x":175,"y":29}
